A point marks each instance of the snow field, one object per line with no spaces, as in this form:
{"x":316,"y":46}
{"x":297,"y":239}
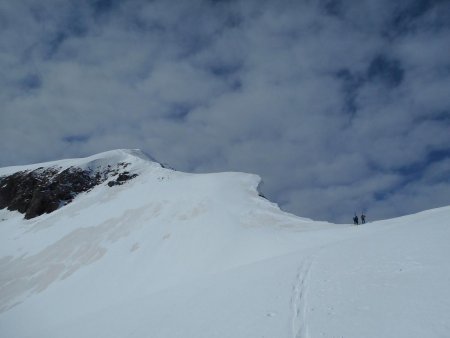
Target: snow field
{"x":171,"y":254}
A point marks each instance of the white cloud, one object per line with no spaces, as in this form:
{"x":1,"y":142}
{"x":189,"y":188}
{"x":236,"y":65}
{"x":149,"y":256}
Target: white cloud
{"x":240,"y":85}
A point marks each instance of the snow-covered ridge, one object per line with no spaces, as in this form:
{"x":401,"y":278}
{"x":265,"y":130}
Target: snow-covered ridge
{"x":44,"y":187}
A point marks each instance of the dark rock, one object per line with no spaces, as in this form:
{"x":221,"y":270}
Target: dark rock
{"x":121,"y":179}
{"x":44,"y":190}
{"x":42,"y":202}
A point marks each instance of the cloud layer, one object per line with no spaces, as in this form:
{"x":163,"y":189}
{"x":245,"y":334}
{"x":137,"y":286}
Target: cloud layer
{"x":339,"y":106}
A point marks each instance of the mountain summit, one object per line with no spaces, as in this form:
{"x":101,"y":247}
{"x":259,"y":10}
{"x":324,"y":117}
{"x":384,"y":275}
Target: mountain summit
{"x":35,"y":190}
{"x":116,"y":245}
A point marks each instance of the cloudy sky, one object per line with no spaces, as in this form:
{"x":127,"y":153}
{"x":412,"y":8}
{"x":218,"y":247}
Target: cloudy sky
{"x":340,"y":106}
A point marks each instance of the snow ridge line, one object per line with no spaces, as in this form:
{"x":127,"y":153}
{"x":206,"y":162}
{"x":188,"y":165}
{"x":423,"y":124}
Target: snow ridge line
{"x":299,"y":301}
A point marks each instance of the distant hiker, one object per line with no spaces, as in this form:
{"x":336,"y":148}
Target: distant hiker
{"x":355,"y":220}
{"x":363,"y":218}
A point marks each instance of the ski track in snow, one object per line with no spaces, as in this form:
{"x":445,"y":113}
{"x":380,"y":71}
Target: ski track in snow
{"x":299,"y":301}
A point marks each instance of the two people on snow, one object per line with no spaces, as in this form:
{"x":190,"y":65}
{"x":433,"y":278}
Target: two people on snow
{"x":356,"y":220}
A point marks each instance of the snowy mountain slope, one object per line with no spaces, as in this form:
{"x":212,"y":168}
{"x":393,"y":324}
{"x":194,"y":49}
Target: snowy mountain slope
{"x":393,"y":281}
{"x":170,"y":254}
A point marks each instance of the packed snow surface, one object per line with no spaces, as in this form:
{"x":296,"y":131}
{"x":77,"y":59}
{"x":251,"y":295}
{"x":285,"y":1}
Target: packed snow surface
{"x":171,"y":254}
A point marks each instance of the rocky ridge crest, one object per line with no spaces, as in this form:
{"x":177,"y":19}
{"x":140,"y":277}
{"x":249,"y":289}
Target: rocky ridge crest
{"x":44,"y":190}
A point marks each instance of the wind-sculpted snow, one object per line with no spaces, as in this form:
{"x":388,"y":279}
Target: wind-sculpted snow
{"x":171,"y":254}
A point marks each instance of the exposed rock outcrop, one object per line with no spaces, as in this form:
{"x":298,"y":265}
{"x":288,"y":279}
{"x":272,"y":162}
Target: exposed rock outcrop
{"x":121,"y":179}
{"x":44,"y":190}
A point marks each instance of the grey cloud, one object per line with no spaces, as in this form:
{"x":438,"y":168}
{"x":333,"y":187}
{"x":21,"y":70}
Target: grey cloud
{"x":338,"y":107}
